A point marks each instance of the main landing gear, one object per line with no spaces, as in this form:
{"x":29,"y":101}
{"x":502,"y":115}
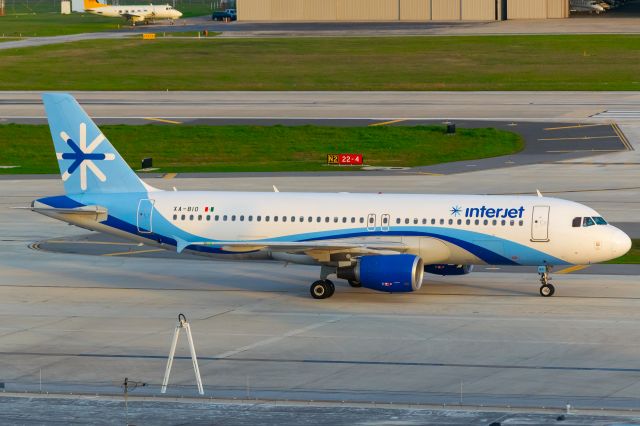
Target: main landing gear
{"x":547,"y":289}
{"x":323,"y":288}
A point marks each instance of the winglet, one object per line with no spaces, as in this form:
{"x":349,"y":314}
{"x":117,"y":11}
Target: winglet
{"x":539,"y":193}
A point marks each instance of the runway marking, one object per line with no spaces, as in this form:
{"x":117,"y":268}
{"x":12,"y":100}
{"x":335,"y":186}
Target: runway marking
{"x":169,"y":175}
{"x":622,"y":136}
{"x":281,"y":337}
{"x":162,"y":120}
{"x":124,"y":253}
{"x":571,"y":269}
{"x":581,"y":138}
{"x":384,"y":123}
{"x":575,"y":127}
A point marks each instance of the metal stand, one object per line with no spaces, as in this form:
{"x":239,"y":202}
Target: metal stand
{"x":182,"y":323}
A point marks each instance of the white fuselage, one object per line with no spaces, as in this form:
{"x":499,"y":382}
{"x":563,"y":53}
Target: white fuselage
{"x":441,"y":229}
{"x":137,"y":13}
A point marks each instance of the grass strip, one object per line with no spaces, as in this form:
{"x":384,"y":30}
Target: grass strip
{"x":530,"y":62}
{"x":263,"y":148}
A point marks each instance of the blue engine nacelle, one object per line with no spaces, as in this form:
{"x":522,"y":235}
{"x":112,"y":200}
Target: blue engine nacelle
{"x":448,"y":269}
{"x":394,"y":273}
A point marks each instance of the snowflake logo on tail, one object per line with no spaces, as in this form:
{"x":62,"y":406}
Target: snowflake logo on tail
{"x":456,"y":210}
{"x":83,"y":156}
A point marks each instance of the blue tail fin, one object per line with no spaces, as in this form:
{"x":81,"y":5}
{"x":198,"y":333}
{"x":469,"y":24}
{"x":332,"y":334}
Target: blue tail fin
{"x":88,"y":162}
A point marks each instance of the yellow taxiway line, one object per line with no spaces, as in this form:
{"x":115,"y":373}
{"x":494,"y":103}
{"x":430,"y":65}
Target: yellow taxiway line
{"x":162,"y":120}
{"x":384,"y":123}
{"x":575,"y":127}
{"x":124,"y":253}
{"x":169,"y":175}
{"x":581,"y":138}
{"x":571,"y":269}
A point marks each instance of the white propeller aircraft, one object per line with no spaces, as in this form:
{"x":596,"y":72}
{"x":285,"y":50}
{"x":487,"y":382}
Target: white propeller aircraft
{"x":382,"y":242}
{"x":133,"y":13}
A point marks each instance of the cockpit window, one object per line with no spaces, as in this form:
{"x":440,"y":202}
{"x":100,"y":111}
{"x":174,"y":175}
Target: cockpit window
{"x":587,"y":221}
{"x":599,"y":220}
{"x":577,"y":222}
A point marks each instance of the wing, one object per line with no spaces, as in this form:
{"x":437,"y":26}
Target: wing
{"x":320,"y":250}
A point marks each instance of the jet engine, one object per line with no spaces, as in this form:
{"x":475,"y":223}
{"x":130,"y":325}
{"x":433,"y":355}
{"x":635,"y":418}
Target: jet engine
{"x":448,"y":269}
{"x":395,"y":273}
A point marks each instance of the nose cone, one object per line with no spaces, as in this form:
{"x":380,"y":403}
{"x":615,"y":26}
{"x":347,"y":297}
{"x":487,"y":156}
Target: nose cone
{"x":621,"y":243}
{"x":178,"y":14}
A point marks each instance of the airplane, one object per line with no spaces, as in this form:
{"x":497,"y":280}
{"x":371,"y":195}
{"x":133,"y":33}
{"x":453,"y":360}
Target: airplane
{"x":133,"y":13}
{"x":586,"y":6}
{"x":383,"y":242}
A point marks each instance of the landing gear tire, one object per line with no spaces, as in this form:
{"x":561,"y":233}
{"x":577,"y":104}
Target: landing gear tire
{"x":547,"y":290}
{"x":322,"y":289}
{"x":355,"y":284}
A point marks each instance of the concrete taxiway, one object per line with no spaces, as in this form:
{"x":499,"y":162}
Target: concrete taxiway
{"x":83,"y":323}
{"x":542,"y":106}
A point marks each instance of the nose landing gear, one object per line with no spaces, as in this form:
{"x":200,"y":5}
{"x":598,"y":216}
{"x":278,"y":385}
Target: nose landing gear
{"x":547,"y":289}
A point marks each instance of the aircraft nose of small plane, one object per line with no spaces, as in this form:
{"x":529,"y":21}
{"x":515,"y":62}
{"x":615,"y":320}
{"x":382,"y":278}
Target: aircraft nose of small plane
{"x":621,"y":243}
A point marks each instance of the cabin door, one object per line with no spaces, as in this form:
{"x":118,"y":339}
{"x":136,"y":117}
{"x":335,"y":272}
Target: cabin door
{"x":145,"y":213}
{"x":540,"y":223}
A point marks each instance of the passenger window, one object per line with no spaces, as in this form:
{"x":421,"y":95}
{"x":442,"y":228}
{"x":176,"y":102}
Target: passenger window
{"x":441,"y":221}
{"x":503,"y":222}
{"x":424,"y":221}
{"x":468,"y":221}
{"x":398,"y":220}
{"x":233,"y":218}
{"x":344,"y":220}
{"x":450,"y":221}
{"x":521,"y":223}
{"x":477,"y":222}
{"x":433,"y":221}
{"x":242,"y":218}
{"x":577,"y":222}
{"x":415,"y":221}
{"x":459,"y":221}
{"x":250,"y":218}
{"x":302,"y":219}
{"x":353,"y":220}
{"x":208,"y":217}
{"x":406,"y":220}
{"x":284,"y":218}
{"x":326,"y":219}
{"x":275,"y":218}
{"x":318,"y":219}
{"x":486,"y":222}
{"x":495,"y":222}
{"x":512,"y":222}
{"x":258,"y":218}
{"x":310,"y":219}
{"x":385,"y":220}
{"x":190,"y":217}
{"x":335,"y":219}
{"x":293,"y":218}
{"x":587,"y":221}
{"x":266,"y":218}
{"x":217,"y":217}
{"x":599,"y":220}
{"x":175,"y":217}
